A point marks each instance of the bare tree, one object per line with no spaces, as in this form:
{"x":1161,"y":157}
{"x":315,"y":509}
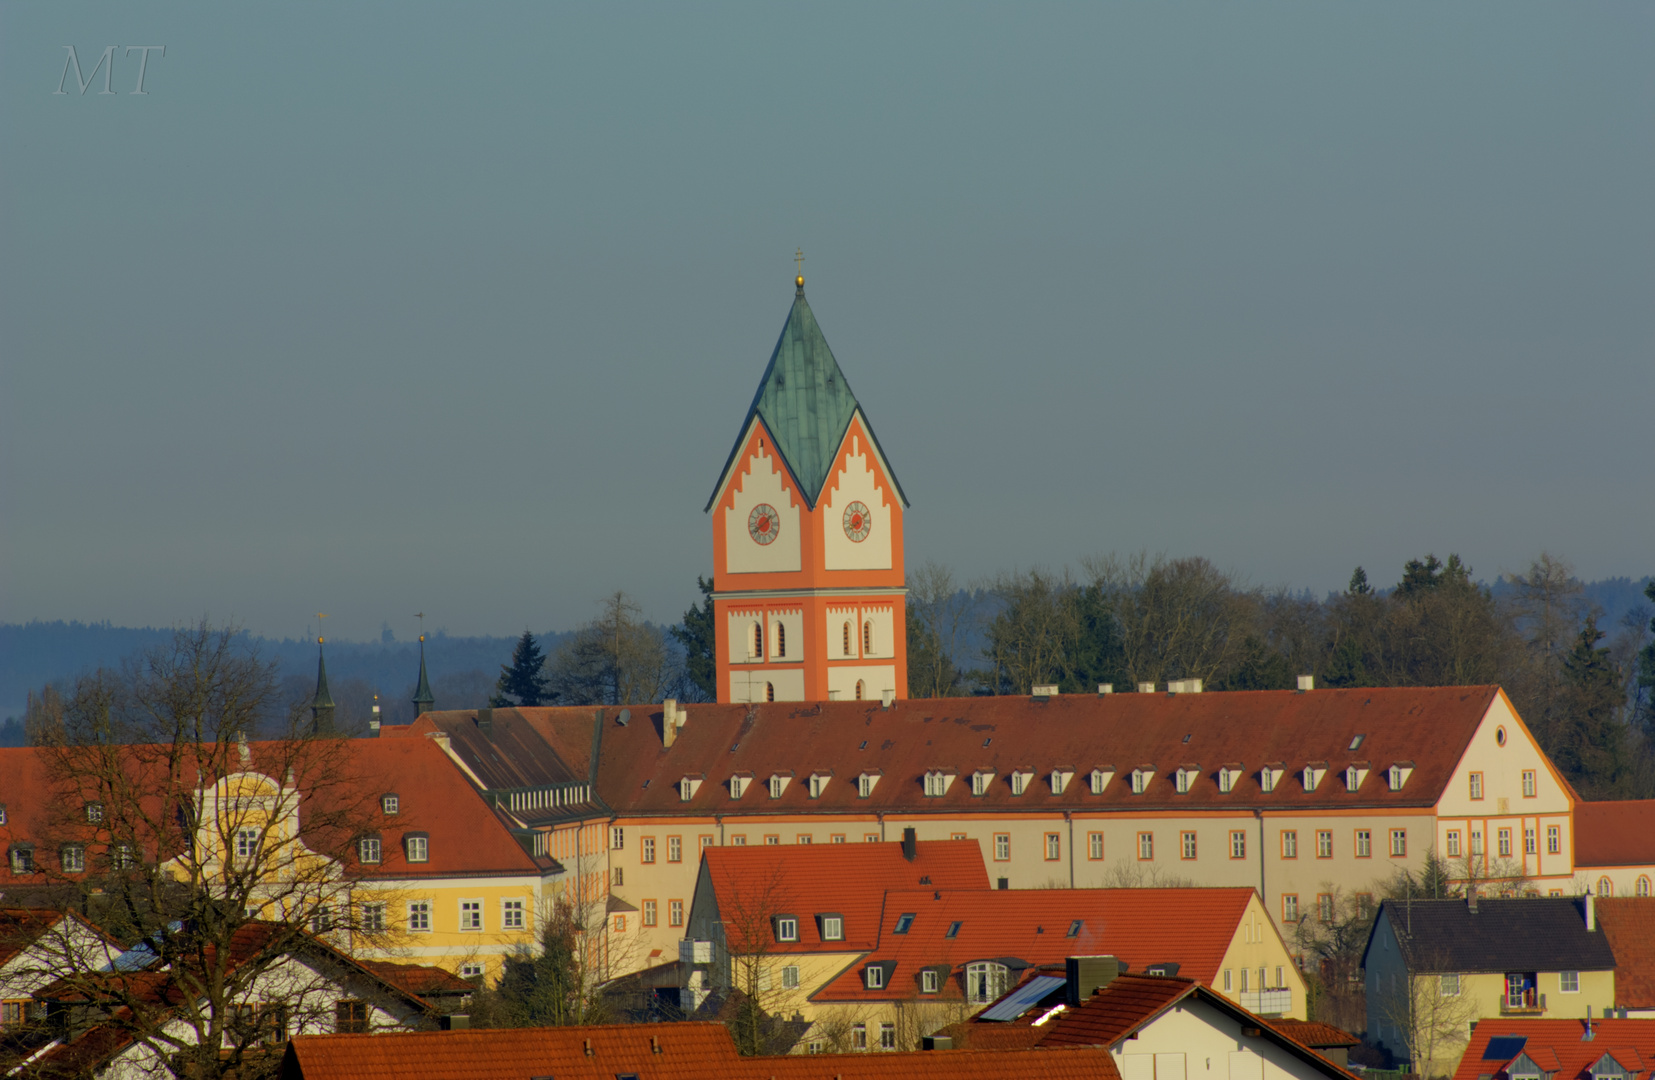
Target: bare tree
{"x":938,"y":611}
{"x":176,"y":830}
{"x":1178,"y":618}
{"x":1430,"y":1014}
{"x":616,"y":659}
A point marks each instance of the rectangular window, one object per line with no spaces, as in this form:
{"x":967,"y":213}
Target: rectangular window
{"x":73,"y":857}
{"x":1243,"y":980}
{"x":367,"y":849}
{"x":373,"y":918}
{"x":870,"y":838}
{"x":1324,"y":906}
{"x":1146,"y":846}
{"x":675,"y":913}
{"x":1290,"y":907}
{"x":1399,"y":843}
{"x":647,"y":852}
{"x":1476,"y":785}
{"x":833,"y":928}
{"x":875,"y":978}
{"x":419,"y":915}
{"x":1186,"y":845}
{"x":1476,"y":842}
{"x":887,"y":1036}
{"x":787,"y":929}
{"x":790,"y":977}
{"x":675,"y":849}
{"x":1449,"y":985}
{"x":706,"y":841}
{"x":772,"y":839}
{"x":1324,"y":843}
{"x":1568,"y":982}
{"x":1554,"y":840}
{"x":321,"y":920}
{"x":1454,"y":842}
{"x":859,"y":1036}
{"x":1289,"y":844}
{"x":1094,"y":846}
{"x":617,"y":876}
{"x":1227,"y":978}
{"x":1054,"y":847}
{"x":836,"y":838}
{"x":617,"y":838}
{"x":511,"y":914}
{"x":247,"y":843}
{"x":1002,"y":846}
{"x":928,"y":981}
{"x":1528,"y":783}
{"x":350,"y":1017}
{"x":471,"y":914}
{"x":1238,"y":844}
{"x":1364,"y":843}
{"x":649,"y":913}
{"x":416,"y":848}
{"x":1503,"y":838}
{"x":1528,"y":842}
{"x":802,"y":838}
{"x":619,"y":925}
{"x":738,"y":839}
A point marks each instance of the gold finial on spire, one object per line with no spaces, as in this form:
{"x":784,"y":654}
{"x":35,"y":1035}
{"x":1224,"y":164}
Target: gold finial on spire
{"x":319,"y":617}
{"x":799,"y":268}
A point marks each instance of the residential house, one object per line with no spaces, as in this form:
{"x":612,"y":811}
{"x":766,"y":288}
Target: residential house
{"x":120,"y":1023}
{"x":681,"y":1051}
{"x":1325,"y":1039}
{"x":1155,"y":1027}
{"x":1433,"y":967}
{"x":35,"y":946}
{"x":1628,"y":923}
{"x":1526,"y":1048}
{"x":1615,"y":848}
{"x":1298,"y":794}
{"x":943,"y":954}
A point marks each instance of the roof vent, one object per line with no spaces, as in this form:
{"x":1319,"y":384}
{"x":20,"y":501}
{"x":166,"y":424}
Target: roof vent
{"x":1307,"y":682}
{"x":1105,"y":688}
{"x":1146,"y":688}
{"x":1042,"y":691}
{"x":1184,"y":686}
{"x":887,"y":698}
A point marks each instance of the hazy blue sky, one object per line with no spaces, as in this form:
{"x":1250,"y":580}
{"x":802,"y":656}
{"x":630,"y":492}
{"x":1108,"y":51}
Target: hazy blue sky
{"x":372,"y":309}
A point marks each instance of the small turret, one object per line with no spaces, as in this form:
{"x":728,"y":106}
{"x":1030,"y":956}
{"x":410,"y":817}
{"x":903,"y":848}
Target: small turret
{"x":321,"y":706}
{"x":422,"y":693}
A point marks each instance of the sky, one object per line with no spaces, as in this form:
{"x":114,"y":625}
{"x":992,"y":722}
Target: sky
{"x":372,"y":309}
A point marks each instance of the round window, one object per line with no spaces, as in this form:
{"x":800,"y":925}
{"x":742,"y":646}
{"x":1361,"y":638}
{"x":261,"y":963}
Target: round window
{"x":1500,"y":736}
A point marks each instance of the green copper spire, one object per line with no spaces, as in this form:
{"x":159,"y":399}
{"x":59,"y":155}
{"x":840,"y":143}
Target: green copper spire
{"x":804,"y":402}
{"x":422,"y":693}
{"x":321,"y":706}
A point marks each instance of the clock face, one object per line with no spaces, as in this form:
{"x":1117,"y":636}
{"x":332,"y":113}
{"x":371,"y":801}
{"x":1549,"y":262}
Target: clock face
{"x":763,"y":524}
{"x":857,"y":522}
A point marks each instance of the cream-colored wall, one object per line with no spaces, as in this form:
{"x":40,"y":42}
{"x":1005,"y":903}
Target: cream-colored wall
{"x":856,"y":482}
{"x":759,"y":480}
{"x":738,"y":634}
{"x":837,"y":617}
{"x":1623,"y":881}
{"x":1258,"y":946}
{"x":748,"y":684}
{"x":884,"y":629}
{"x":786,"y":634}
{"x":1194,"y":1041}
{"x":876,"y":679}
{"x":1503,"y":804}
{"x":445,"y":944}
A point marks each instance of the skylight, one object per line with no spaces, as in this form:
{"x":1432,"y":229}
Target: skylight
{"x":953,"y":929}
{"x":1357,"y":742}
{"x":903,"y":922}
{"x":1074,"y":927}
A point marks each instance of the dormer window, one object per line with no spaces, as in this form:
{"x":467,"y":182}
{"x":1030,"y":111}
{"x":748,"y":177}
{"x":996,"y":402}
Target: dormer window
{"x":1270,"y":775}
{"x":865,"y":783}
{"x":22,"y":859}
{"x":981,"y":781}
{"x":416,"y":847}
{"x":94,"y":813}
{"x":1397,"y":775}
{"x":1184,"y":778}
{"x":390,"y":804}
{"x":817,"y":783}
{"x":787,"y":928}
{"x":688,"y":786}
{"x":1100,"y":779}
{"x":367,"y":849}
{"x":1355,"y":773}
{"x":831,"y":927}
{"x":1313,"y":774}
{"x":1141,"y":776}
{"x":1227,"y":777}
{"x":874,"y":976}
{"x":778,"y":783}
{"x":1060,"y":779}
{"x":1020,"y":780}
{"x":738,"y":784}
{"x":937,"y":782}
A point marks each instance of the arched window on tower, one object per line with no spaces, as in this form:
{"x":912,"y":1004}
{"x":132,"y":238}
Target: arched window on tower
{"x":846,"y":649}
{"x":770,"y":691}
{"x":781,"y":639}
{"x":755,"y":646}
{"x":861,"y":691}
{"x":867,"y":638}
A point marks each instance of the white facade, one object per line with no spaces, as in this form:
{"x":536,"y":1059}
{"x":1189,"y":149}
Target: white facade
{"x":759,"y":483}
{"x":854,"y":492}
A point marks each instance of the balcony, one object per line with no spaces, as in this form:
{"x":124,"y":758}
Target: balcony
{"x":1267,"y":1002}
{"x":1522,"y":998}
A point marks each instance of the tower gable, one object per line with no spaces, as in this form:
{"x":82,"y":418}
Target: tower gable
{"x":760,"y":481}
{"x":859,"y":515}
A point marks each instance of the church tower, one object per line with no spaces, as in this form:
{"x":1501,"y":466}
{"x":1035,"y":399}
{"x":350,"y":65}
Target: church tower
{"x":808,"y":580}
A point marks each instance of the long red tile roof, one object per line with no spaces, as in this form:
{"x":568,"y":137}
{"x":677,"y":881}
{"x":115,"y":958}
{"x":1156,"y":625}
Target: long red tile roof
{"x":1427,"y":727}
{"x":849,"y":880}
{"x":1618,"y":833}
{"x":1628,"y":923}
{"x":1189,"y":927}
{"x":1558,"y":1045}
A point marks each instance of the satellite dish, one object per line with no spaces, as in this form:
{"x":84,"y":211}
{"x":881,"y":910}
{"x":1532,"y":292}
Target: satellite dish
{"x":626,"y":714}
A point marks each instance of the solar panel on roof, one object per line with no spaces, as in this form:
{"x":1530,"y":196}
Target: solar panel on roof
{"x":1022,"y":999}
{"x":1504,"y":1047}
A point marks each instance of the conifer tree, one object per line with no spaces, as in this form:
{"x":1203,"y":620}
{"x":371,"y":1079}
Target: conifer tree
{"x":524,"y":680}
{"x":699,"y":638}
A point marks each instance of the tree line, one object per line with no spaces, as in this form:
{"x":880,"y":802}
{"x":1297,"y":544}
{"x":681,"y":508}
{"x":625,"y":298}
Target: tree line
{"x":1588,"y":695}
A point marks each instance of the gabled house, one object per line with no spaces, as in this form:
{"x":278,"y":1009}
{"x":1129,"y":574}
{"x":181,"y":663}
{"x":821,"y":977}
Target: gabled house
{"x":1154,"y":1027}
{"x":1530,"y":1049}
{"x":35,"y":946}
{"x":1628,"y":923}
{"x":1432,"y":967}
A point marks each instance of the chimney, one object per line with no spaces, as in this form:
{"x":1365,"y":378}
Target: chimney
{"x":1146,"y":688}
{"x":485,"y":722}
{"x":1471,"y":899}
{"x":910,"y":844}
{"x":1591,"y":912}
{"x":887,"y":698}
{"x":1089,"y":973}
{"x":1105,"y":688}
{"x":1307,"y":682}
{"x":936,"y":1042}
{"x":669,"y":722}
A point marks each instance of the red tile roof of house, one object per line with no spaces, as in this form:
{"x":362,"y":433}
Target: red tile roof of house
{"x":421,"y":980}
{"x":680,"y":1051}
{"x":848,"y":880}
{"x":1430,"y":727}
{"x":1558,"y":1045}
{"x":1628,"y":923}
{"x":22,"y":927}
{"x":1615,"y":833}
{"x":1313,"y":1034}
{"x":1192,"y":928}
